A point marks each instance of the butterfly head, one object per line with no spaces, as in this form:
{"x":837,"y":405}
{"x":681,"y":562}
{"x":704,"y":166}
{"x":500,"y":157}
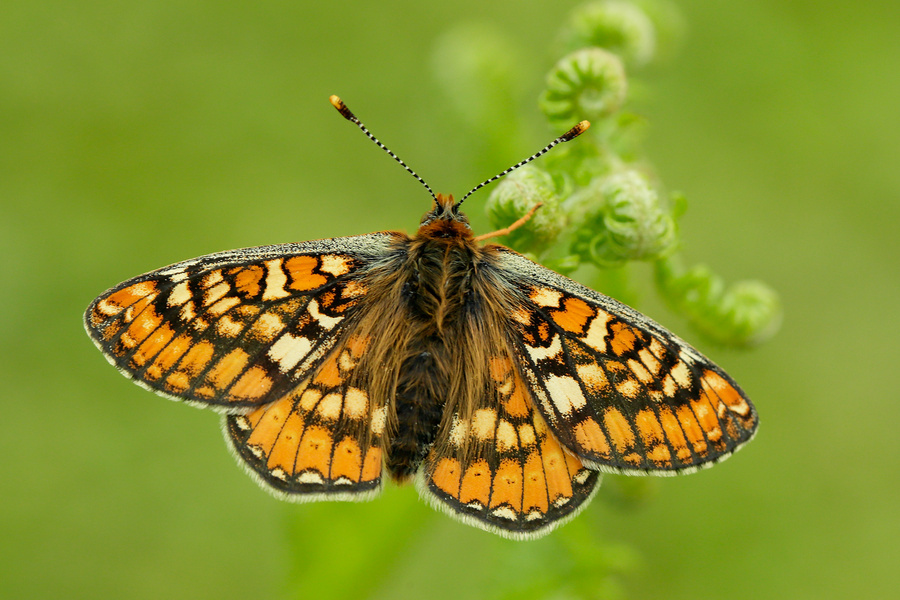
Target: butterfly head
{"x":445,"y":220}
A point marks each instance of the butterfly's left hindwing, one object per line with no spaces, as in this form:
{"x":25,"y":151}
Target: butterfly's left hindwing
{"x":320,"y":441}
{"x":236,"y":329}
{"x":618,"y":390}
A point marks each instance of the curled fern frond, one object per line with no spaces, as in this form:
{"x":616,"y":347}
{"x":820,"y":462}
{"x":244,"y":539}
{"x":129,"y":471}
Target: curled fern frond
{"x":615,"y":25}
{"x":624,"y":220}
{"x":744,"y":314}
{"x":518,"y":193}
{"x":586,"y":84}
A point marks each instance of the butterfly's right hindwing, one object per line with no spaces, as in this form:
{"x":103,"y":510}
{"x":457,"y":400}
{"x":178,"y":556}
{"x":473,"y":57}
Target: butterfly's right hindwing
{"x":235,"y":329}
{"x":500,"y":468}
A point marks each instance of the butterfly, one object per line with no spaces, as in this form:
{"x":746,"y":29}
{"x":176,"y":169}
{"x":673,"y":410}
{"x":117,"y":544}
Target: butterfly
{"x":502,"y":389}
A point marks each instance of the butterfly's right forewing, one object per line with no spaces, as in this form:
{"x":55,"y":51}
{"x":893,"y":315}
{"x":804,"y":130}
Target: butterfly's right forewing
{"x":617,"y":389}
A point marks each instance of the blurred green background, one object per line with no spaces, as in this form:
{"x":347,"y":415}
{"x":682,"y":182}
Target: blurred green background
{"x":137,"y":134}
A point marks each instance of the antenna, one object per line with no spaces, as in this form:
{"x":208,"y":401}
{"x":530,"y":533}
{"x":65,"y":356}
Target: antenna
{"x":566,"y":137}
{"x":347,"y":114}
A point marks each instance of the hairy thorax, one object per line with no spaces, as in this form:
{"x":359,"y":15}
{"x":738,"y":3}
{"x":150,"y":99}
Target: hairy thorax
{"x":433,"y":348}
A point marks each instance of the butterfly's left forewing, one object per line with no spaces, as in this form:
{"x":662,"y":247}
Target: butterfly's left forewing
{"x":236,"y":329}
{"x":618,"y":390}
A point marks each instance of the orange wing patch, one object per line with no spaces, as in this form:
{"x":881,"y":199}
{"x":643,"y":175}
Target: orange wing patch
{"x":504,"y":470}
{"x":320,"y":440}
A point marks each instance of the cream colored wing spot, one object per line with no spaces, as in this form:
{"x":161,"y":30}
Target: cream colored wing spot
{"x":597,"y":332}
{"x":379,"y":419}
{"x":656,"y":347}
{"x":483,"y":422}
{"x":650,"y":362}
{"x":215,"y":293}
{"x":546,"y":297}
{"x":354,"y":289}
{"x":177,"y":275}
{"x":288,"y":351}
{"x":330,"y":407}
{"x":504,"y":512}
{"x":309,"y":398}
{"x":310,"y":476}
{"x":593,"y":377}
{"x":105,"y":308}
{"x":223,"y":305}
{"x":279,"y":473}
{"x":565,"y":393}
{"x":187,"y":312}
{"x":266,"y":327}
{"x":640,"y":371}
{"x":629,"y":388}
{"x":334,"y":264}
{"x":669,"y":386}
{"x":180,"y":294}
{"x":681,"y":374}
{"x":552,"y":351}
{"x":275,"y":280}
{"x":211,"y":279}
{"x":522,"y":316}
{"x":526,"y":435}
{"x":324,"y":320}
{"x":582,"y":476}
{"x":459,"y":431}
{"x":356,"y":403}
{"x":506,"y":436}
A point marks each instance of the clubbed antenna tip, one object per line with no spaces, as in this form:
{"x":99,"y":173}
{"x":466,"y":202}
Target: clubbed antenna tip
{"x":342,"y":108}
{"x":566,"y":137}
